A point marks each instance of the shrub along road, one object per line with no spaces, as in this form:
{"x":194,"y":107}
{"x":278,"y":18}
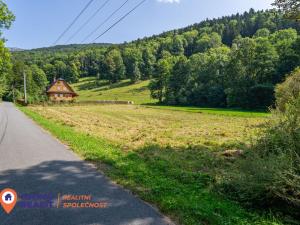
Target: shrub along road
{"x":33,"y":162}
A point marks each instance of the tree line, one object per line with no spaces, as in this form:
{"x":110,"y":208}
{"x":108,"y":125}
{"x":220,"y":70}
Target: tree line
{"x":233,"y":61}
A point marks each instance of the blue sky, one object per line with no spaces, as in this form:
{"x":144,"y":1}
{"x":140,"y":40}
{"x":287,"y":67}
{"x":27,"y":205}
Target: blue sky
{"x":40,"y":22}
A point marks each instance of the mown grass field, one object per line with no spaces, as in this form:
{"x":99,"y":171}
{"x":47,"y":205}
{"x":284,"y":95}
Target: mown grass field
{"x":169,"y":158}
{"x":133,"y":127}
{"x":213,"y":111}
{"x":91,"y":89}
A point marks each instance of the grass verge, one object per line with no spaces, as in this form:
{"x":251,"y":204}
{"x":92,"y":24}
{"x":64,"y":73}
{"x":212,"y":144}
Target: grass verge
{"x":159,"y":176}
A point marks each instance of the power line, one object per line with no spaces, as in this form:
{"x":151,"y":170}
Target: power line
{"x":73,"y":22}
{"x":122,"y":18}
{"x":89,"y":20}
{"x":108,"y":18}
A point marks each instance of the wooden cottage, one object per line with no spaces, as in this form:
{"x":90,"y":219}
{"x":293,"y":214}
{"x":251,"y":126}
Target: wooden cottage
{"x":60,"y":91}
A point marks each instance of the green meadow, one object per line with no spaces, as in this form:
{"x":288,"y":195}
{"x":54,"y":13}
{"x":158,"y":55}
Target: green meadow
{"x":171,"y":158}
{"x":90,"y":89}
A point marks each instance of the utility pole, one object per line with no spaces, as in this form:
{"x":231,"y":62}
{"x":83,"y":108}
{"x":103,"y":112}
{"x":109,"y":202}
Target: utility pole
{"x":25,"y":92}
{"x":13,"y":92}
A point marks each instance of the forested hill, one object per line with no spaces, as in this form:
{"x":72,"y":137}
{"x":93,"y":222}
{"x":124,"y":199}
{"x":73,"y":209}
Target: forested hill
{"x":72,"y":47}
{"x":233,"y":61}
{"x":246,"y":25}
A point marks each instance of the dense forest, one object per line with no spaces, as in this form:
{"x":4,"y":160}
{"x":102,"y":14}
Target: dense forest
{"x":233,"y":61}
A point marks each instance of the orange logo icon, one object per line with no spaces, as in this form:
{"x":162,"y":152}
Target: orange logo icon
{"x":8,"y":199}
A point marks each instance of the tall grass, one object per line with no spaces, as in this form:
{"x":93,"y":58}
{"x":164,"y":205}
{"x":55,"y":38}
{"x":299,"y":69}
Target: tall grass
{"x":269,"y":174}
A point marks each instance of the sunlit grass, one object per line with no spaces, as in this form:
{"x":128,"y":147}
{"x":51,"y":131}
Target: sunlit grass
{"x":89,"y":89}
{"x":214,"y":111}
{"x":132,"y":127}
{"x":178,"y":180}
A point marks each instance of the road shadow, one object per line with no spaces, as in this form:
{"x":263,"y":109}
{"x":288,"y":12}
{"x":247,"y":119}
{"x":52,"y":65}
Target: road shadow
{"x":76,"y":178}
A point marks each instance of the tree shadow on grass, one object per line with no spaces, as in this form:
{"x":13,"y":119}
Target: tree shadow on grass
{"x":139,"y":90}
{"x":179,"y":180}
{"x":94,"y":84}
{"x":108,"y":86}
{"x":76,"y":178}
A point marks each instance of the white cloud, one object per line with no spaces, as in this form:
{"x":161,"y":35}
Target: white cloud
{"x":169,"y":1}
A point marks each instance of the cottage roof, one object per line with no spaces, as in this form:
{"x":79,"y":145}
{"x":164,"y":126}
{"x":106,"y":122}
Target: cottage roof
{"x":68,"y":91}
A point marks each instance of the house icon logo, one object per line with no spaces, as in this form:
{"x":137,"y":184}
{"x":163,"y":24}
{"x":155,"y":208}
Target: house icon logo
{"x":8,"y":199}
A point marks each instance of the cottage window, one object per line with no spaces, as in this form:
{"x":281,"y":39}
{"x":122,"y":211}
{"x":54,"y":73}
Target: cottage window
{"x":61,"y":95}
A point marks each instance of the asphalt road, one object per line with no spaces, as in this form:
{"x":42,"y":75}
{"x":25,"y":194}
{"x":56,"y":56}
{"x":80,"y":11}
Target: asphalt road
{"x":33,"y":162}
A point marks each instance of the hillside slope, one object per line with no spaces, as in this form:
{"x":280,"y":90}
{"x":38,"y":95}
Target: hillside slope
{"x":91,"y":89}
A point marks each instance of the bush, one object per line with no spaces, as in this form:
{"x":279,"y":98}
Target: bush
{"x":269,"y":173}
{"x":289,"y":90}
